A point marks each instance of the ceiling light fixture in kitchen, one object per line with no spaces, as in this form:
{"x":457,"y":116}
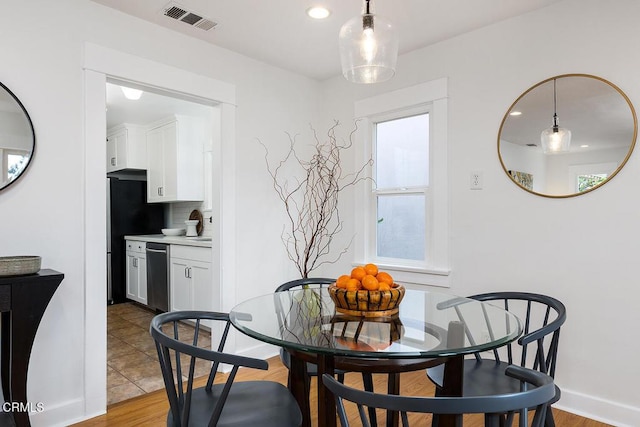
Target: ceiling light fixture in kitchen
{"x":368,"y":48}
{"x":133,"y":94}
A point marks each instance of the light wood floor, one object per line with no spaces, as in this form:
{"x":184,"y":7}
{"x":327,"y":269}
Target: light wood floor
{"x":151,"y":409}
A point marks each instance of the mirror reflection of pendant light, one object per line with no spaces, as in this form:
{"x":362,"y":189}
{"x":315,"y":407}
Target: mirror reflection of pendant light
{"x":555,"y":139}
{"x":368,"y":48}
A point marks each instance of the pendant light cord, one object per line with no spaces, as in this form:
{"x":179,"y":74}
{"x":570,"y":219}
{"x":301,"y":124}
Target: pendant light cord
{"x":367,"y":11}
{"x":555,"y":109}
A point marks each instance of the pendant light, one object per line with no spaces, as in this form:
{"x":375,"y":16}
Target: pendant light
{"x":368,"y":48}
{"x":555,"y":139}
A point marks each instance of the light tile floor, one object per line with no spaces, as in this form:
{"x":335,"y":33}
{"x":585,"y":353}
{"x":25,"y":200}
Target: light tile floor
{"x":132,"y":360}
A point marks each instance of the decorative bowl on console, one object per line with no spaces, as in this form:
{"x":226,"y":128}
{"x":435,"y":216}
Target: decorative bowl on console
{"x":19,"y":265}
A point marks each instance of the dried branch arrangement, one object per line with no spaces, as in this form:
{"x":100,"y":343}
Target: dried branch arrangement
{"x":310,"y":190}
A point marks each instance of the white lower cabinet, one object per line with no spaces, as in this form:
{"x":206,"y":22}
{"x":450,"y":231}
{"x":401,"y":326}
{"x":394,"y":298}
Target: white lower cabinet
{"x":191,"y":280}
{"x":136,"y":271}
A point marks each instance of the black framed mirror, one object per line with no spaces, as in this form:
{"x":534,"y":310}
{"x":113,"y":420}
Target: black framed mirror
{"x":17,"y":138}
{"x":538,"y":155}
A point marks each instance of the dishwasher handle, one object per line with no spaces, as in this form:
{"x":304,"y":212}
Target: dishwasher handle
{"x":158,"y":251}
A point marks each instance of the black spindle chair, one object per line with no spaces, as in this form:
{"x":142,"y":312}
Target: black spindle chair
{"x":536,"y":389}
{"x":537,"y":348}
{"x":246,"y":403}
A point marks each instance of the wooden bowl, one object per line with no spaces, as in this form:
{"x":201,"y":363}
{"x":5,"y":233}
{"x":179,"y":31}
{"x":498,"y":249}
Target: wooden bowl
{"x":367,"y":303}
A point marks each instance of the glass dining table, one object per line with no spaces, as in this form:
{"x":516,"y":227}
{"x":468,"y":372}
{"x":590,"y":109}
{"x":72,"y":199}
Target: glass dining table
{"x":430,"y":328}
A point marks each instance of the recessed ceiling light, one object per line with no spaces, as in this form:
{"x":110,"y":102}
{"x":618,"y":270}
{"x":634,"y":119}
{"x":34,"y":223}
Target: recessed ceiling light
{"x":515,"y":113}
{"x":318,"y":12}
{"x":584,"y":146}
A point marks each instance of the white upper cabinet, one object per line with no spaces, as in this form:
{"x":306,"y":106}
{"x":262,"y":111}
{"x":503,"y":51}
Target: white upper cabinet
{"x":175,"y":162}
{"x":126,"y":147}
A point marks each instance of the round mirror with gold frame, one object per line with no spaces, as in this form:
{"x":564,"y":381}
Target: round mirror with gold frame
{"x":17,"y":138}
{"x":567,"y":135}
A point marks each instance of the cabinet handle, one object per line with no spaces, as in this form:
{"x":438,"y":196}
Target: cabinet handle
{"x":135,"y":262}
{"x":187,"y":272}
{"x":160,"y":191}
{"x":113,"y":161}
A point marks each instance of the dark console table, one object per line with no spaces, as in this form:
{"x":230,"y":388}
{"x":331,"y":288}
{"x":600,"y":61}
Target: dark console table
{"x":23,"y":300}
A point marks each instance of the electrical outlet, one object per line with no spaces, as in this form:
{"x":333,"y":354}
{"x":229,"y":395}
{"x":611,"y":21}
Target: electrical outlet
{"x":476,"y":181}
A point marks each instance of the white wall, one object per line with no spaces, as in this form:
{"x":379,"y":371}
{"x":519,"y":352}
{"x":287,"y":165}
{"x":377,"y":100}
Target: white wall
{"x":581,"y":250}
{"x":594,"y":237}
{"x":42,"y":44}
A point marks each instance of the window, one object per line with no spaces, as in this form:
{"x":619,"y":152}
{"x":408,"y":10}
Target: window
{"x":403,"y":214}
{"x":401,"y":165}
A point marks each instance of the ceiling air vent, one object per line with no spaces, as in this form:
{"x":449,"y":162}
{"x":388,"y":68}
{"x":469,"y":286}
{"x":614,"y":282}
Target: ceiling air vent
{"x":193,"y":19}
{"x":531,"y":145}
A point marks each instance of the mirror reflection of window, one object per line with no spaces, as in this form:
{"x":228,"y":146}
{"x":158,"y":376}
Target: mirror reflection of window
{"x":585,"y":182}
{"x":15,"y":163}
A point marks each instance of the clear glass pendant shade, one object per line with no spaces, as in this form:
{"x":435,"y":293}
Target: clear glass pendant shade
{"x":368,"y":49}
{"x":555,"y":140}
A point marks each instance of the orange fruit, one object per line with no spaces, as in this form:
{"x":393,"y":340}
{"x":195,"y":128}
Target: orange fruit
{"x":370,"y":283}
{"x":371,"y":269}
{"x":384,"y":286}
{"x":358,"y":273}
{"x":342,"y":281}
{"x":385,"y":277}
{"x":353,"y":285}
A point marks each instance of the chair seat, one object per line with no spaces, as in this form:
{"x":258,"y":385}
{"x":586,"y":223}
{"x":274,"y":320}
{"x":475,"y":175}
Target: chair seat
{"x":482,"y":378}
{"x":270,"y":402}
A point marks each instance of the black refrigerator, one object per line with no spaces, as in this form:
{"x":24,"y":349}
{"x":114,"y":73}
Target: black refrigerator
{"x":128,"y":213}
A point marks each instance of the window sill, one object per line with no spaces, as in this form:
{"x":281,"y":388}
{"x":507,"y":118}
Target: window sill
{"x":416,"y":275}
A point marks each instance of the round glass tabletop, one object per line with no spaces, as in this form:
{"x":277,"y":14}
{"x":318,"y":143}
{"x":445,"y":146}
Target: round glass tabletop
{"x":429,"y":324}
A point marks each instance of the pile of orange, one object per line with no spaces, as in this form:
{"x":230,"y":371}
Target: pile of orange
{"x":366,"y":277}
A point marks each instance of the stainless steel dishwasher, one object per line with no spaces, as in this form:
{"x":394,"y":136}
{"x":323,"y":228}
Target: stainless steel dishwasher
{"x":158,"y":276}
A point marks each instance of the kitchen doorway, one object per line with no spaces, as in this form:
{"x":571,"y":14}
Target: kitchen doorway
{"x":103,"y":64}
{"x":132,"y":368}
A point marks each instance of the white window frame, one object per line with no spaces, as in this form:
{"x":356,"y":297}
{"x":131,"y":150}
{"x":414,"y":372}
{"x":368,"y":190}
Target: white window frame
{"x":431,"y":98}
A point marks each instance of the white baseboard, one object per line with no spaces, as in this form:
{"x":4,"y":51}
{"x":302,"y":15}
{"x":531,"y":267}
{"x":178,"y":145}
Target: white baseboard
{"x":598,"y":409}
{"x":60,"y":415}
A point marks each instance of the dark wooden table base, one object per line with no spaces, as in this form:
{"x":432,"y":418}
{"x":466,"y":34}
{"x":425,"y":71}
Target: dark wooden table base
{"x":299,"y":380}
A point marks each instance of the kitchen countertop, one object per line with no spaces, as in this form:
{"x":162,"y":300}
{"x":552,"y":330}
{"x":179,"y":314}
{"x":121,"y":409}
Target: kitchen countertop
{"x":201,"y":241}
